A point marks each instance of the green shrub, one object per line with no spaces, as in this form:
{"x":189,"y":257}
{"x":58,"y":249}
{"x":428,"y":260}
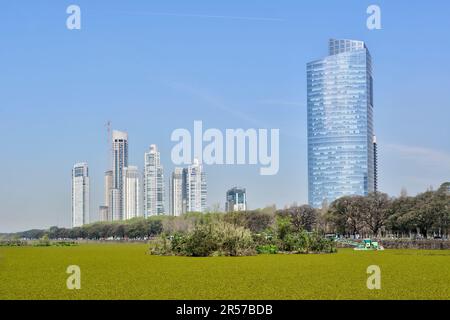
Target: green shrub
{"x":13,"y":243}
{"x":43,"y":242}
{"x":267,"y":249}
{"x":208,"y":239}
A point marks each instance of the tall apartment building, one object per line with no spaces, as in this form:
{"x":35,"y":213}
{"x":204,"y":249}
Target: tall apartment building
{"x":341,"y":159}
{"x":154,"y":188}
{"x":195,"y":188}
{"x":108,"y":185}
{"x":80,"y":195}
{"x":115,"y":205}
{"x":120,"y":161}
{"x":177,"y":195}
{"x":131,"y":193}
{"x":104,"y":214}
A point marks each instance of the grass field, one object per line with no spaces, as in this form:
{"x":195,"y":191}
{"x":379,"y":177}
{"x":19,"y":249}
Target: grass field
{"x":126,"y":271}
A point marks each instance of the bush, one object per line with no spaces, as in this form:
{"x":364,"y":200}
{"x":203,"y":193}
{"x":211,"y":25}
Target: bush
{"x":43,"y":242}
{"x":267,"y":249}
{"x":13,"y":243}
{"x":215,"y":238}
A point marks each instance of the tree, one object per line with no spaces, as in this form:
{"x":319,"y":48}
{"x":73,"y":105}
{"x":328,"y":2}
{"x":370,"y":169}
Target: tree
{"x":376,"y":211}
{"x":302,"y":218}
{"x":346,"y":214}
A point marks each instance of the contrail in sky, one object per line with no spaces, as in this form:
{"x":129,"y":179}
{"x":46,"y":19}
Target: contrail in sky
{"x":209,"y":16}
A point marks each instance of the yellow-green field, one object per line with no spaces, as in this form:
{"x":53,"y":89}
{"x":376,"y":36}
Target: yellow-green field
{"x":126,"y":271}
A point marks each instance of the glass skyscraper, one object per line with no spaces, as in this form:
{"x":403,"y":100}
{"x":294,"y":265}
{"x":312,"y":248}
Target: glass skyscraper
{"x":340,"y":123}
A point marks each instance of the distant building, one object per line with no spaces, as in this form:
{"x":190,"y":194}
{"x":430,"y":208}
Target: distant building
{"x":120,"y":161}
{"x":104,"y":214}
{"x":154,"y":188}
{"x":195,"y":187}
{"x":131,"y":193}
{"x":236,"y":200}
{"x":108,"y":187}
{"x":341,"y":147}
{"x":177,"y":197}
{"x":80,"y":195}
{"x":115,"y":207}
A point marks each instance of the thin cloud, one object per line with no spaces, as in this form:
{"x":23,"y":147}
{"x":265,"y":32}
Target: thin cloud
{"x":423,"y":155}
{"x":183,"y":15}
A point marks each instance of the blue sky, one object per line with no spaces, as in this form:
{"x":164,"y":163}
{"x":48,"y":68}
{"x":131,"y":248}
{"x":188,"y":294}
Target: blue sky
{"x":154,"y":66}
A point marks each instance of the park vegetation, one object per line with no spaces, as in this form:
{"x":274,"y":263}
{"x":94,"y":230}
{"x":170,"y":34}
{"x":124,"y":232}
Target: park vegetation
{"x":298,"y":229}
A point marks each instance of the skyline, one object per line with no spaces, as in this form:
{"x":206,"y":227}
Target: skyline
{"x":169,"y":71}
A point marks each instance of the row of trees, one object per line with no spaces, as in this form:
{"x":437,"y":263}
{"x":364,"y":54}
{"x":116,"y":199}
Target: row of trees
{"x":425,"y":215}
{"x":139,"y":228}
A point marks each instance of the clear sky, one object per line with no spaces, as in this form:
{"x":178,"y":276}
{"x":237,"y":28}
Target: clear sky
{"x":154,"y":66}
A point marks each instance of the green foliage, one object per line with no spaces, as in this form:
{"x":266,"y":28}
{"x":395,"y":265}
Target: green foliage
{"x":215,"y":236}
{"x":13,"y":243}
{"x":206,"y":239}
{"x":267,"y":249}
{"x":426,"y":214}
{"x":43,"y":242}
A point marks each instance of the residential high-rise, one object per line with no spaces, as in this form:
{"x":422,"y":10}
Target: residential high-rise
{"x":154,"y":187}
{"x":177,"y":193}
{"x":340,"y":123}
{"x":131,"y":193}
{"x":196,"y":190}
{"x":115,"y":207}
{"x":120,"y":161}
{"x":104,"y":213}
{"x":80,"y":195}
{"x":108,"y":187}
{"x":236,"y":200}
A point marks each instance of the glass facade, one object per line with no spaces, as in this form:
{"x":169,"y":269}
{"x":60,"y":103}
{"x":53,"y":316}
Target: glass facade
{"x":340,"y":123}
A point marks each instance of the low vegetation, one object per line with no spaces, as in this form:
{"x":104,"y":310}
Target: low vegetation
{"x":426,"y":215}
{"x":123,"y":271}
{"x":218,"y":236}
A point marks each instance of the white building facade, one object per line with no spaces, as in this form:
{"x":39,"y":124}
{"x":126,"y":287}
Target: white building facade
{"x":154,"y":188}
{"x":120,"y":162}
{"x":80,"y":195}
{"x":131,"y":193}
{"x":196,"y":188}
{"x":177,"y":193}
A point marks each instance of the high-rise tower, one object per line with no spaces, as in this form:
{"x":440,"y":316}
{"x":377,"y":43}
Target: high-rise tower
{"x":120,"y":161}
{"x":177,"y":193}
{"x":154,"y":187}
{"x":132,"y":191}
{"x":195,"y":188}
{"x":80,"y":195}
{"x":340,"y":123}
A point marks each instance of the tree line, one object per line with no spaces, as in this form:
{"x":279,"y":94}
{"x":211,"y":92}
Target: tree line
{"x":375,"y":215}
